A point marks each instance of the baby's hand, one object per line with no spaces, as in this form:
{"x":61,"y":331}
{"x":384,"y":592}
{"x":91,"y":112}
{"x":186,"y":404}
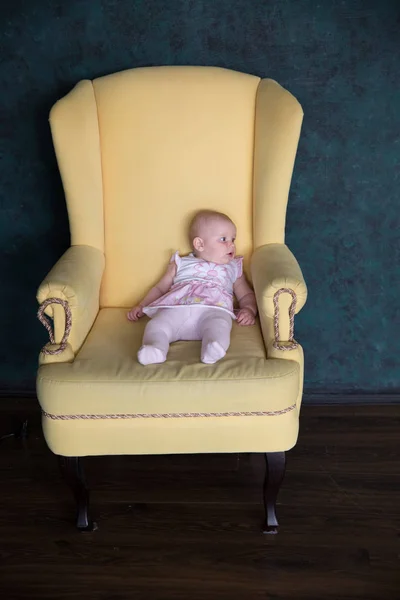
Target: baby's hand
{"x":245,"y":316}
{"x":135,"y":313}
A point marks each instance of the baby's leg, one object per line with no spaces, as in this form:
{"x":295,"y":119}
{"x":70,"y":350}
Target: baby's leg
{"x":160,"y":331}
{"x":215,"y":332}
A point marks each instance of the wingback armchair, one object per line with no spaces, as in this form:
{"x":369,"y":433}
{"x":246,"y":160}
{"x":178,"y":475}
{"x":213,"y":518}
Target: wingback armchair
{"x":139,"y":152}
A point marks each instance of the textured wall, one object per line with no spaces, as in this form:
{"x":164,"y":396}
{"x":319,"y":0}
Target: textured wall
{"x":340,"y":58}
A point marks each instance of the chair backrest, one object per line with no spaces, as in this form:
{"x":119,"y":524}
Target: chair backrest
{"x":141,"y":151}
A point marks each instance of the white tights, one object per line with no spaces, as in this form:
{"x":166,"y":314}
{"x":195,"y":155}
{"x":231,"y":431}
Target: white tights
{"x":210,"y":325}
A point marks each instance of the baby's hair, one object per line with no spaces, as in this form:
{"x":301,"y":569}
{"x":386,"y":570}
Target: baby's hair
{"x":201,"y":218}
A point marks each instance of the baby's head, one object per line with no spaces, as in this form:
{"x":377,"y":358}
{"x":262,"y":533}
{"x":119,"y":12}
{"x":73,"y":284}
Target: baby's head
{"x":212,"y":235}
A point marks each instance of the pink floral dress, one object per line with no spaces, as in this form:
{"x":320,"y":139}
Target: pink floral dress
{"x":200,"y":283}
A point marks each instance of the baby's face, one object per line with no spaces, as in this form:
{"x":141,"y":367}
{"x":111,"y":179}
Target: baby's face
{"x":218,"y":241}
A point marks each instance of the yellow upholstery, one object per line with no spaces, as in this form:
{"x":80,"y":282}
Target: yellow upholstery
{"x":75,"y":130}
{"x":139,"y":152}
{"x":187,"y":143}
{"x":274,"y":267}
{"x":277,"y":129}
{"x":76,"y":277}
{"x":106,"y":378}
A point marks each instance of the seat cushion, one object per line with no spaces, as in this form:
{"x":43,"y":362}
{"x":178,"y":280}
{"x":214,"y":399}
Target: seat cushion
{"x":107,"y":378}
{"x":105,"y":402}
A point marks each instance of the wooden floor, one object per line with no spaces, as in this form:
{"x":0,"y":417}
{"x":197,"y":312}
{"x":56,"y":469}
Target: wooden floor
{"x":188,"y":527}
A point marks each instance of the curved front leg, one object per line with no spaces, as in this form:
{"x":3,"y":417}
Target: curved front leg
{"x":72,"y":470}
{"x":275,"y":471}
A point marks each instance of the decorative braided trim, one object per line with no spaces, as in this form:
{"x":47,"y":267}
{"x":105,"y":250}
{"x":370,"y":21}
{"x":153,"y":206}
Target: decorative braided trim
{"x":292,"y":343}
{"x":267,"y":413}
{"x":44,"y":321}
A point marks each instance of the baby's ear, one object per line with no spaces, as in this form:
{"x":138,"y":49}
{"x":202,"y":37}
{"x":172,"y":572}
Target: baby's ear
{"x":198,"y":244}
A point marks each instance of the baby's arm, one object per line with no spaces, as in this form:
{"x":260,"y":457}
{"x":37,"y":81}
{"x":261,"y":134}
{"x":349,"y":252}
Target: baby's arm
{"x":156,"y":292}
{"x":247,"y":302}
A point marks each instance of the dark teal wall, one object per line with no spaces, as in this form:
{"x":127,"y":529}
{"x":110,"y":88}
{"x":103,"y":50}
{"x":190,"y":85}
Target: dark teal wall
{"x":340,"y":58}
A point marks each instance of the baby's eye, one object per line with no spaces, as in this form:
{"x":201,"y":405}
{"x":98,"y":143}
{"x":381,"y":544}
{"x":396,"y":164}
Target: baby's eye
{"x":223,"y":239}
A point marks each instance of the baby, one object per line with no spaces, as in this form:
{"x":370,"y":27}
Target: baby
{"x":194,"y":298}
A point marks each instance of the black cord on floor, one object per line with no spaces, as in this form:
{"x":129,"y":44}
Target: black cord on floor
{"x":20,"y":433}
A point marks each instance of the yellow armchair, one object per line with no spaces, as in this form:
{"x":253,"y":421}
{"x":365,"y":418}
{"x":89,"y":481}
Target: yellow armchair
{"x":139,"y":152}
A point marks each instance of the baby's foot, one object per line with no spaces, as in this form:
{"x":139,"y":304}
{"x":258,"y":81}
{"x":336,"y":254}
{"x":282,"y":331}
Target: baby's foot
{"x":212,"y":353}
{"x":150,"y":355}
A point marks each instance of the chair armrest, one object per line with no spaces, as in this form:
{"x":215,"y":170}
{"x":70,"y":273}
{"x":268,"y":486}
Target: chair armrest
{"x":76,"y":278}
{"x":274,"y":267}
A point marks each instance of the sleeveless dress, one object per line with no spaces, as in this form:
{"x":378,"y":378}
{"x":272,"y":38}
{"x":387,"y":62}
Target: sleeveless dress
{"x":200,"y":283}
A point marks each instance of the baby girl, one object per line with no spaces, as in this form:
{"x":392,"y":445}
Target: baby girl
{"x":194,"y":298}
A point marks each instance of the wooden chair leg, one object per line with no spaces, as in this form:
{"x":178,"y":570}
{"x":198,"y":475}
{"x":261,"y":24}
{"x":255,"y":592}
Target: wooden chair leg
{"x":275,"y":471}
{"x":72,"y":471}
